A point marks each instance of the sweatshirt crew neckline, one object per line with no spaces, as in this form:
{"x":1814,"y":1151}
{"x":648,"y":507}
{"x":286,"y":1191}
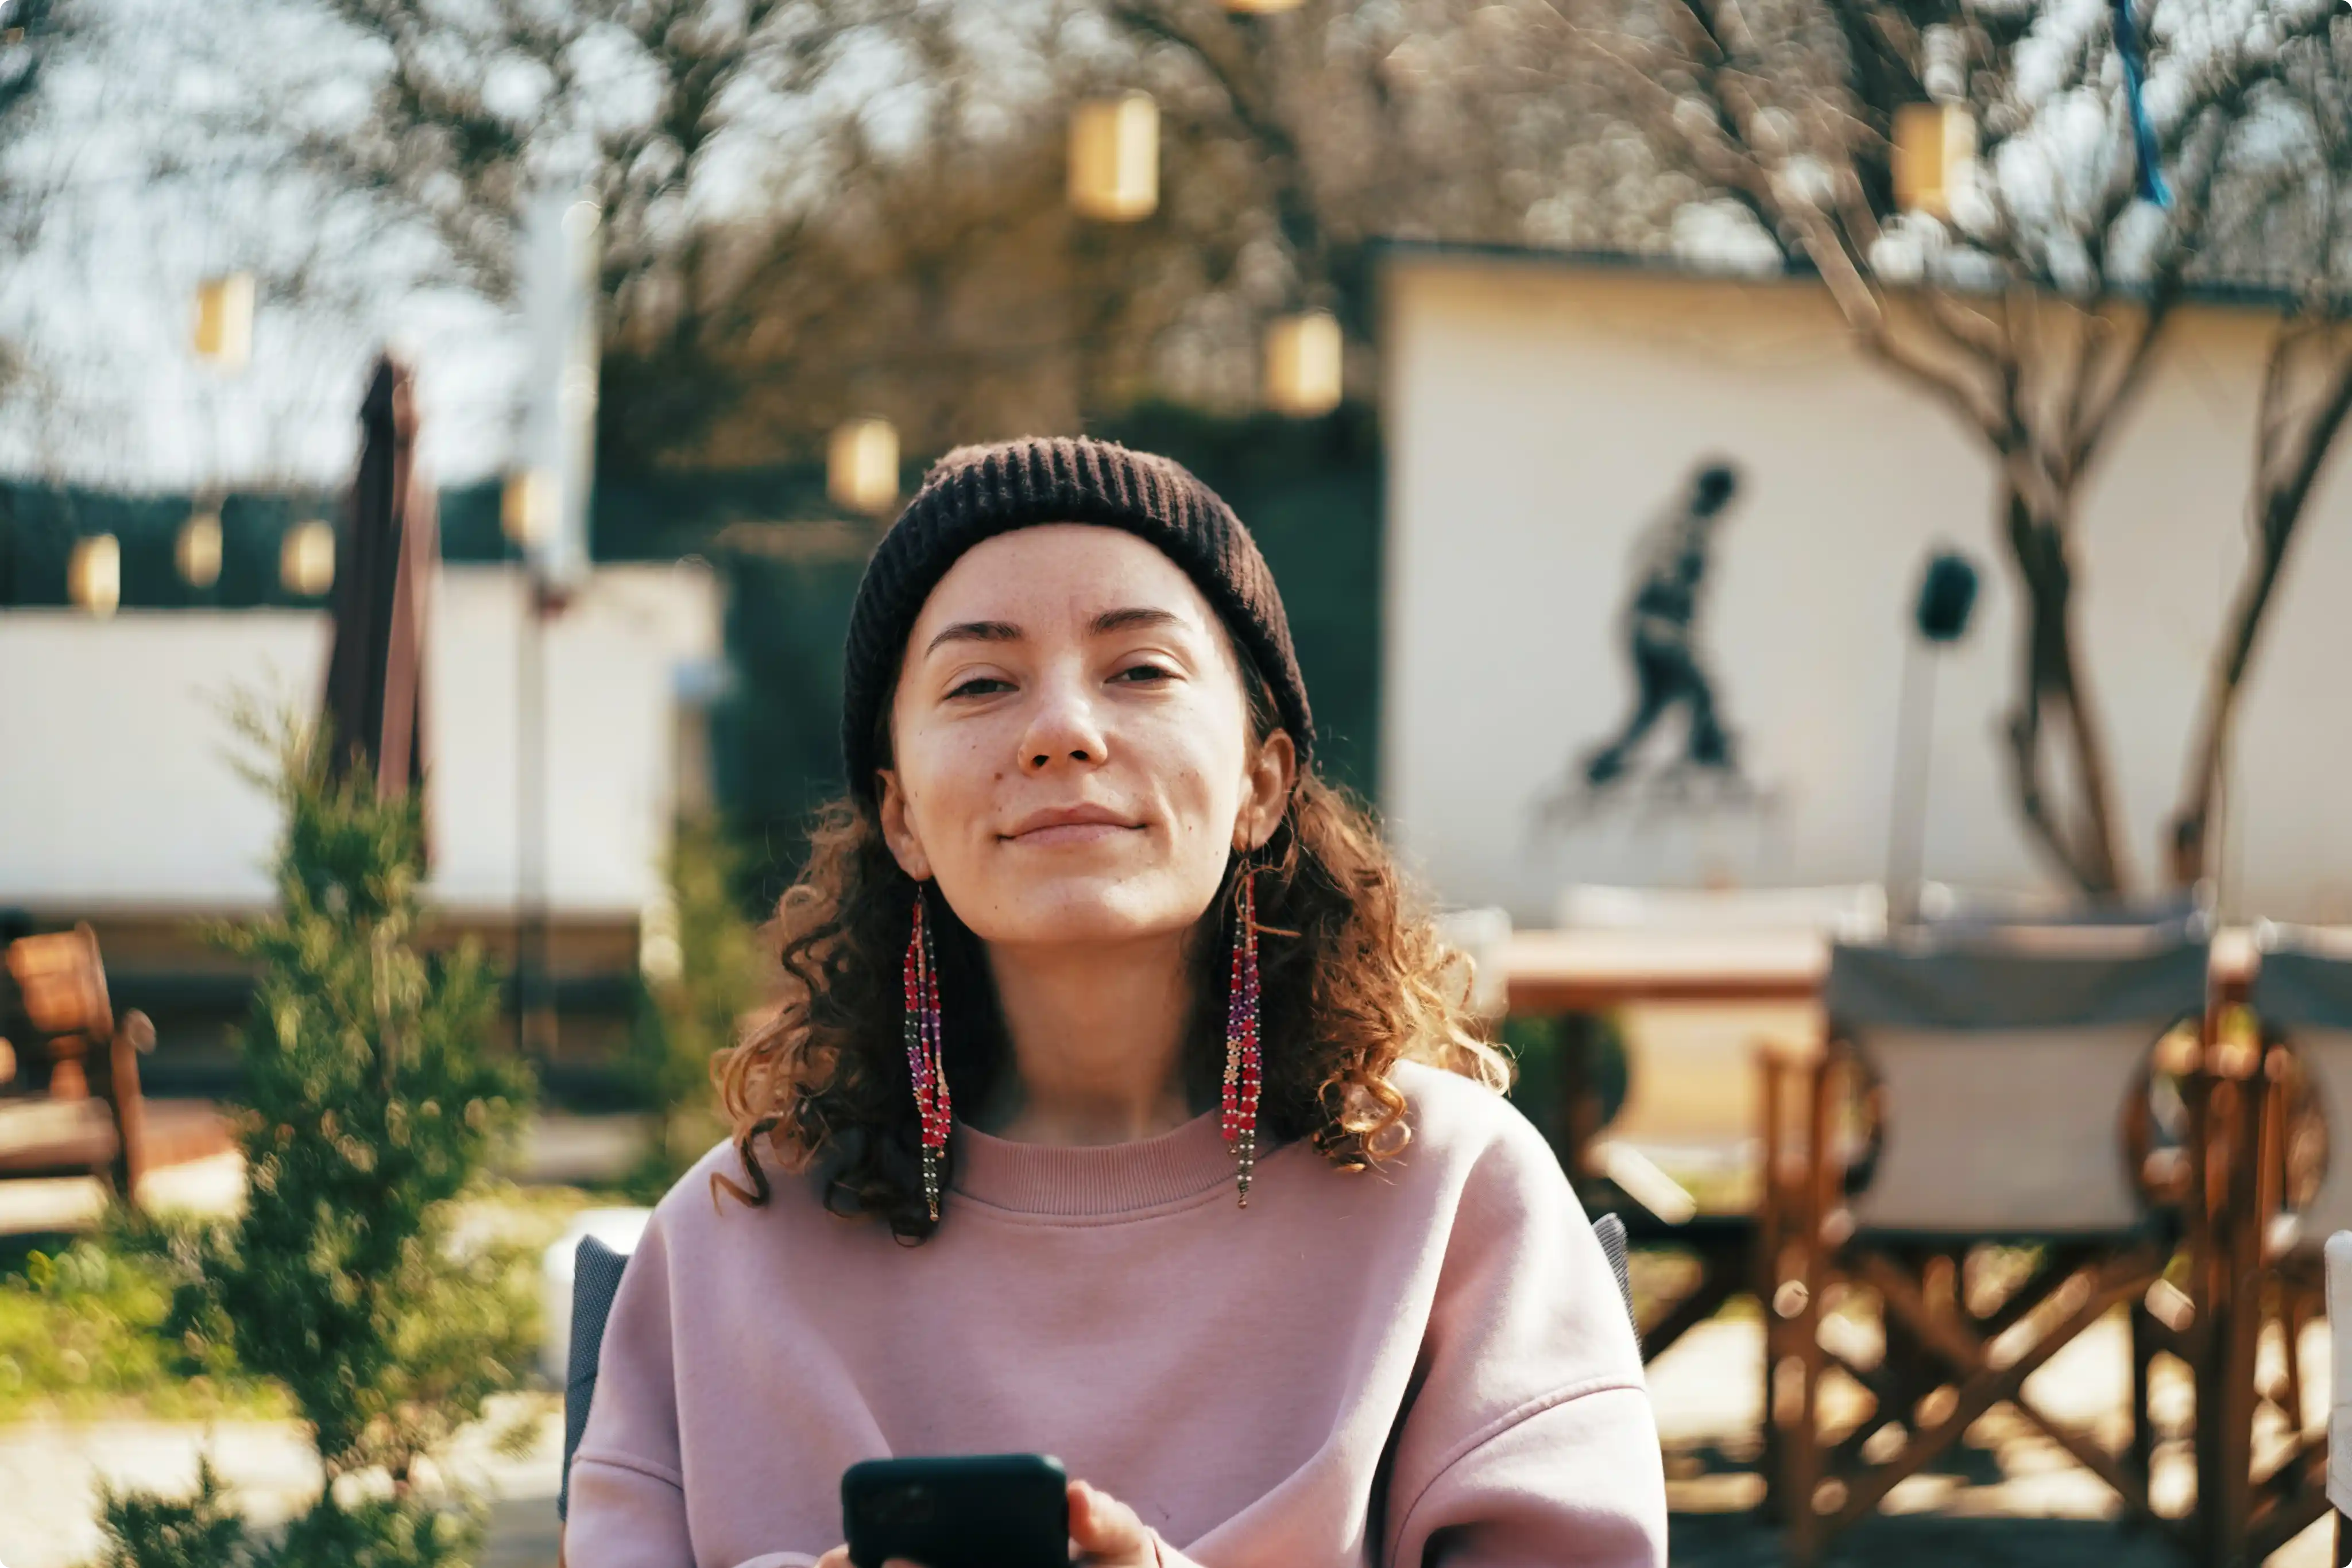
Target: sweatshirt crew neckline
{"x":1065,"y":1181}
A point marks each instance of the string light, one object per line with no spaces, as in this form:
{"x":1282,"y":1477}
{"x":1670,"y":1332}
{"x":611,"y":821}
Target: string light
{"x":527,"y":506}
{"x":198,"y":551}
{"x":1305,"y":356}
{"x":861,"y":469}
{"x":1115,"y":158}
{"x":94,"y":574}
{"x":1935,"y":156}
{"x":306,"y":559}
{"x":225,"y":320}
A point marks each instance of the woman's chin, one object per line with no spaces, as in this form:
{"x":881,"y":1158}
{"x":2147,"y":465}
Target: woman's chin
{"x":1078,"y":911}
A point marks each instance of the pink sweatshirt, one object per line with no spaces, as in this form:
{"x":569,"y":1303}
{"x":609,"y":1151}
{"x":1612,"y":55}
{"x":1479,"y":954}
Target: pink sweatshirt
{"x":1426,"y":1365}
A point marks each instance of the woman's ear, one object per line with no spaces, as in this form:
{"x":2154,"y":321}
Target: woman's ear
{"x":1266,"y":791}
{"x":906,"y":847}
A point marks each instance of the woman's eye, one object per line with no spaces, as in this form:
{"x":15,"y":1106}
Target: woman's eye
{"x":980,"y":687}
{"x":1142,"y":672}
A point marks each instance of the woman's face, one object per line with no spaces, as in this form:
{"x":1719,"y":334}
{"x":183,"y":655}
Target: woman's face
{"x":1070,"y":742}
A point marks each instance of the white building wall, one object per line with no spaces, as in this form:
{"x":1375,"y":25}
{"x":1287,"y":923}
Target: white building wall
{"x":118,"y":787}
{"x":1538,"y":414}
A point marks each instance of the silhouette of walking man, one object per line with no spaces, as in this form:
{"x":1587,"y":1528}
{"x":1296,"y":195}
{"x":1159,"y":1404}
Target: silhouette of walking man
{"x":1659,"y":623}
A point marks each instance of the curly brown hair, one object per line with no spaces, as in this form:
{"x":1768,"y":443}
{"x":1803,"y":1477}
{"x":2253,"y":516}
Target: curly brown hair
{"x":1353,"y":978}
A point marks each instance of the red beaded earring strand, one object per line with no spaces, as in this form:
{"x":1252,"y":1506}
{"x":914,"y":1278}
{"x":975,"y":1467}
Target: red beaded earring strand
{"x":1241,"y":1076}
{"x":923,"y":1065}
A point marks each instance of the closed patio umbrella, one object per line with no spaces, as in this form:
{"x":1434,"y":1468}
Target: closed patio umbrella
{"x":375,"y":686}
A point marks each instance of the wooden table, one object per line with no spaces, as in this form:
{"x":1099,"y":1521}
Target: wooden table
{"x":1594,"y":970}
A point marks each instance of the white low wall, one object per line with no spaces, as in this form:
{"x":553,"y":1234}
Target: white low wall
{"x":1539,"y":413}
{"x":118,"y":787}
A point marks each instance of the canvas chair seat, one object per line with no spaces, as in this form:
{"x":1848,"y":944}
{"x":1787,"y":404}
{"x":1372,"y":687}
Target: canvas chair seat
{"x":1998,"y":1067}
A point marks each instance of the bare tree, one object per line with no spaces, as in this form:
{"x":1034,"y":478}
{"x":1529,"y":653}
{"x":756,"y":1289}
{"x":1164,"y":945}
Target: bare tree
{"x":1339,"y":124}
{"x":31,"y":34}
{"x":2036,"y":314}
{"x":470,"y":104}
{"x":2299,"y":234}
{"x":1289,"y":143}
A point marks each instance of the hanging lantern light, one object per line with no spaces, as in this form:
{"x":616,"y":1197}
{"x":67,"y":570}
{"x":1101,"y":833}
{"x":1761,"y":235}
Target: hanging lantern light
{"x":1115,"y":158}
{"x":225,"y":320}
{"x":306,"y":559}
{"x":94,"y":574}
{"x":861,"y":469}
{"x":198,"y":551}
{"x":1261,"y":7}
{"x":1304,"y":357}
{"x":1935,"y":156}
{"x":527,"y":506}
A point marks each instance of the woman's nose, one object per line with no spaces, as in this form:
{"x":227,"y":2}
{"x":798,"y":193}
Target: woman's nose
{"x":1063,"y":728}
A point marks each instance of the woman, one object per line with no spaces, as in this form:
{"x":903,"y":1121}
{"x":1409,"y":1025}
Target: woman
{"x":1118,"y":1109}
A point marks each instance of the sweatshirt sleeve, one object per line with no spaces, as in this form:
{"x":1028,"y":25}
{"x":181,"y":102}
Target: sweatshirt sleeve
{"x":628,"y":1491}
{"x":1529,"y":1438}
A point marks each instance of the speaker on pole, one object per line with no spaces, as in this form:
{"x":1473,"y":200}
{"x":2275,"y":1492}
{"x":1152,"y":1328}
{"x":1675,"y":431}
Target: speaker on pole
{"x":1946,"y":600}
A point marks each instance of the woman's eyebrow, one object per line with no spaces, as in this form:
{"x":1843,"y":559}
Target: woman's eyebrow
{"x":974,"y":632}
{"x":1128,"y":619}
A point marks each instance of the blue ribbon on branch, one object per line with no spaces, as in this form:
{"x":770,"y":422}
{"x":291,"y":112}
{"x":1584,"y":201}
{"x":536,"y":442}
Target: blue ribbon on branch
{"x":2152,"y":187}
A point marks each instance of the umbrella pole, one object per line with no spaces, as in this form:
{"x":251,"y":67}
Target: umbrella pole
{"x":534,"y":1019}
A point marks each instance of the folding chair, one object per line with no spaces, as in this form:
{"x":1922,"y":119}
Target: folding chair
{"x":2264,"y":1464}
{"x":70,"y":1132}
{"x":595,"y":1281}
{"x":1977,"y":1094}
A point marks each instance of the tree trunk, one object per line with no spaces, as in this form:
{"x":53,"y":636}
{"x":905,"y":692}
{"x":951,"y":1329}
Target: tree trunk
{"x":2189,"y":839}
{"x":2080,"y":842}
{"x":2279,"y":504}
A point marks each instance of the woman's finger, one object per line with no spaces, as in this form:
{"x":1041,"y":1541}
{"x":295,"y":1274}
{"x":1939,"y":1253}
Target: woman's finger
{"x":1105,"y":1530}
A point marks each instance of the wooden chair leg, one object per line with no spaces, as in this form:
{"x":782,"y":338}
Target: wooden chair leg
{"x":1764,"y":1264}
{"x":1808,"y":1531}
{"x":129,"y":1107}
{"x":2141,"y":1459}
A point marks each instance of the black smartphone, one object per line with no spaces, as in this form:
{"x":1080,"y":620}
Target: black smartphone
{"x":964,"y":1511}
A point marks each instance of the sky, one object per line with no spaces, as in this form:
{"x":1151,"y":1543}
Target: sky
{"x":103,"y":304}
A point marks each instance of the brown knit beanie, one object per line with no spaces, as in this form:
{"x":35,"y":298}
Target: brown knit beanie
{"x":978,"y":492}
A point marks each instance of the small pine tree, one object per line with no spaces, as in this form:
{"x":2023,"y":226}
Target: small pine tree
{"x":142,"y":1530}
{"x":693,"y":1003}
{"x":372,"y":1101}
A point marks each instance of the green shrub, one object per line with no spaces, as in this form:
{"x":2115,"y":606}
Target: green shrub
{"x":143,"y":1530}
{"x":84,"y":1333}
{"x":374,"y":1104}
{"x":692,"y":1005}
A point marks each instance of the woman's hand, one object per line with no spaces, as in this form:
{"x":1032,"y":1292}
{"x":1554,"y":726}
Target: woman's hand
{"x":1104,"y":1532}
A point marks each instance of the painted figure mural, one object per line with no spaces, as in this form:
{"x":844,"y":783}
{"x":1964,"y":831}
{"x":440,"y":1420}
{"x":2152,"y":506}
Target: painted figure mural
{"x":1660,"y":626}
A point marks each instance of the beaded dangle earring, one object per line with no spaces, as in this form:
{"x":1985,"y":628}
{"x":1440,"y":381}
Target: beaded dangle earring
{"x":922,"y":976}
{"x":1240,"y":1038}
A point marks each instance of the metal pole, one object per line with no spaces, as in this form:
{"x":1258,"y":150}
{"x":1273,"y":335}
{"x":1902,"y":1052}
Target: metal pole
{"x":1907,"y":826}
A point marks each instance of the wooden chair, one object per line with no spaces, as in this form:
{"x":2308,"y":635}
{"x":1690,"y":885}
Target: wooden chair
{"x":1976,"y":1096}
{"x":2264,"y":1460}
{"x":75,"y":1128}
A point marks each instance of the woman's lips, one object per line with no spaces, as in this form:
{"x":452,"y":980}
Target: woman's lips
{"x":1058,"y":833}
